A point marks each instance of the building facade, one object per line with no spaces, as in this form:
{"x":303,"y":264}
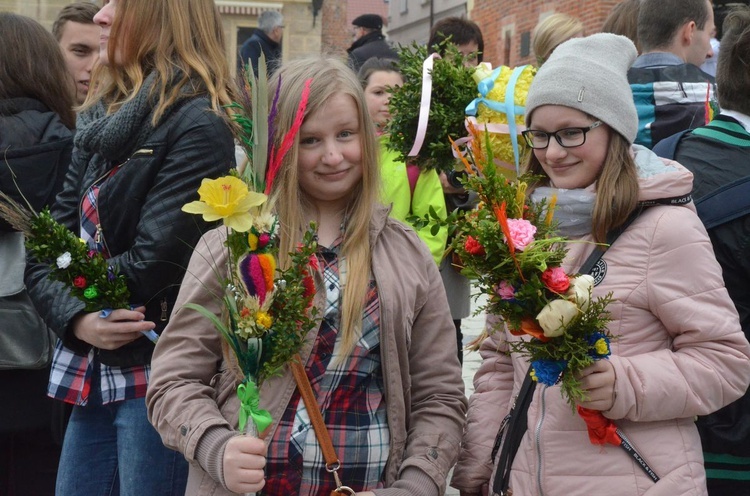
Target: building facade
{"x":337,"y":21}
{"x":411,"y":20}
{"x":507,"y":25}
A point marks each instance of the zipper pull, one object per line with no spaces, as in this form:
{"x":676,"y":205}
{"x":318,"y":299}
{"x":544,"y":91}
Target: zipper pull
{"x":164,"y":308}
{"x":98,"y":236}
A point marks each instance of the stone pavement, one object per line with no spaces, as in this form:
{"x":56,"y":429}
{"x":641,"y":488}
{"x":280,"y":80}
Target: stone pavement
{"x":472,"y":327}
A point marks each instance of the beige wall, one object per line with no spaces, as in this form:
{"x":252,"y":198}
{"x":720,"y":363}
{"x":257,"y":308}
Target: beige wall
{"x":43,"y":11}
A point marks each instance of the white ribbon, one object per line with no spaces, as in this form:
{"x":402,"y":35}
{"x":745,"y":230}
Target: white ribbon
{"x":424,"y":104}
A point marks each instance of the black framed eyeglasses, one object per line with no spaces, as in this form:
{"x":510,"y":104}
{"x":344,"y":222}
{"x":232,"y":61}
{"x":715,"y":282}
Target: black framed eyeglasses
{"x":570,"y":137}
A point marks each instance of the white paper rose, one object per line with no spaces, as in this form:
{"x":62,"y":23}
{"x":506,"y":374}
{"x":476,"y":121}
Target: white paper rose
{"x":63,"y":261}
{"x":556,"y":316}
{"x":580,"y":289}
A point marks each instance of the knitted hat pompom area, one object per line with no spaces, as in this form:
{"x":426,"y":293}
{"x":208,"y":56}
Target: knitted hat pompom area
{"x":590,"y":75}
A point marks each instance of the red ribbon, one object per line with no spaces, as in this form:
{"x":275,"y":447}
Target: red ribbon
{"x":601,"y":429}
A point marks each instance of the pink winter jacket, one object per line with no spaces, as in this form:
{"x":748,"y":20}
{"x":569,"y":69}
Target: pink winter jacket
{"x":679,"y":353}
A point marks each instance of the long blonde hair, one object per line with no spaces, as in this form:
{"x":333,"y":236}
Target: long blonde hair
{"x":181,"y":41}
{"x":616,"y":186}
{"x":329,"y":77}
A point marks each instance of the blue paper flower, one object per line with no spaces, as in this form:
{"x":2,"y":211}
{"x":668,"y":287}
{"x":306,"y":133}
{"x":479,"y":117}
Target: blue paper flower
{"x":548,"y":372}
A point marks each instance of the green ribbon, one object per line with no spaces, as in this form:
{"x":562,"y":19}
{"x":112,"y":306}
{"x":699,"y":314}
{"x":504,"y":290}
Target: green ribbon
{"x":249,"y":397}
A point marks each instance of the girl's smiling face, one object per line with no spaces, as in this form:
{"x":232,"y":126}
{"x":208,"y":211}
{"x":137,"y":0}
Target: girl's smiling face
{"x":574,"y":167}
{"x":330,"y":153}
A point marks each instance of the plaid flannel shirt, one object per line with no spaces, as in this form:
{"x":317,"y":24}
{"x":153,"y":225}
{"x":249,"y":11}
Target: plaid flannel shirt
{"x":350,"y":393}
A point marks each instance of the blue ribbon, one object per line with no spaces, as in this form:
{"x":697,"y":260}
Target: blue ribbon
{"x":508,"y":107}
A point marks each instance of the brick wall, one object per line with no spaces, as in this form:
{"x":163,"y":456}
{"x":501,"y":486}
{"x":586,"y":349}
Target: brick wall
{"x":507,"y":24}
{"x":336,"y":34}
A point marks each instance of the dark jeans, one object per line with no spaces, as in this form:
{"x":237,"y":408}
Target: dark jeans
{"x":112,"y":450}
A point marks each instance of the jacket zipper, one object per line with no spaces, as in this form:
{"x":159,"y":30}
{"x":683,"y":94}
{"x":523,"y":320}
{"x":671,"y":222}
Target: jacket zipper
{"x":164,"y":308}
{"x":538,"y":440}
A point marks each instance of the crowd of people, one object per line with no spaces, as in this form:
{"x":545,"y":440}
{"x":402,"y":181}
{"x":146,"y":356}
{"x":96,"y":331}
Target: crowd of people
{"x":114,"y":120}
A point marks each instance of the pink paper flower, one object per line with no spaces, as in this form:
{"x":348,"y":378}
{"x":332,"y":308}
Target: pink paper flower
{"x":505,"y":291}
{"x":556,"y":279}
{"x":521,"y":233}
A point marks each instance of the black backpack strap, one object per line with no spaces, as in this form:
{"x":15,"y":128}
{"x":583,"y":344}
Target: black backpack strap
{"x":512,"y":429}
{"x":726,"y":203}
{"x":667,"y":148}
{"x":514,"y":426}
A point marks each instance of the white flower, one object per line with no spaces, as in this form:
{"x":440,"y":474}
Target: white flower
{"x":63,"y":261}
{"x":556,"y":316}
{"x":580,"y":289}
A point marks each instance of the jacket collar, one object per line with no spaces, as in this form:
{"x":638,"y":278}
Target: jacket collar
{"x":364,"y":40}
{"x":263,"y":36}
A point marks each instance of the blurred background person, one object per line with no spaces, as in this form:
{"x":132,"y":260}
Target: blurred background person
{"x":717,"y":155}
{"x":551,"y":31}
{"x":463,"y":33}
{"x":368,"y":41}
{"x":266,"y":40}
{"x":670,"y":91}
{"x":36,"y":139}
{"x":623,"y":20}
{"x":78,"y":36}
{"x":408,"y":190}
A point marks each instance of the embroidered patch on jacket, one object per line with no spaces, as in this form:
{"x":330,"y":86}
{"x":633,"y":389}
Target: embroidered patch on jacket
{"x":599,"y":271}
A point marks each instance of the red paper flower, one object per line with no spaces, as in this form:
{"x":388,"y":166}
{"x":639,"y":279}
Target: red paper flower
{"x":474,"y":247}
{"x":556,"y":279}
{"x":79,"y":282}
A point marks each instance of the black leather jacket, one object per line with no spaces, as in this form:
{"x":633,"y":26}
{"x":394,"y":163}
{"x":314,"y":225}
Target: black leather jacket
{"x":148,"y":237}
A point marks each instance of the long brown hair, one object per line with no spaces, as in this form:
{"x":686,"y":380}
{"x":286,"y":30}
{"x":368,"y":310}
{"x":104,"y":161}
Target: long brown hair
{"x":616,"y":186}
{"x":170,"y":38}
{"x":329,"y":77}
{"x":32,"y":66}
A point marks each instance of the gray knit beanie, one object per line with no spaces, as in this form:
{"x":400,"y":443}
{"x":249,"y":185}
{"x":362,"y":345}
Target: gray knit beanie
{"x":589,"y":74}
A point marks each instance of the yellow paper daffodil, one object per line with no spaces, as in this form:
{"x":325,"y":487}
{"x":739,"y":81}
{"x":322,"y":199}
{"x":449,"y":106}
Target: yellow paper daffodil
{"x":226,"y":198}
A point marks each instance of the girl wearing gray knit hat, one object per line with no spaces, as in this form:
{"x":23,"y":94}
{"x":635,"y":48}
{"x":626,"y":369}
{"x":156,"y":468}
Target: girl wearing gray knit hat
{"x":679,"y":349}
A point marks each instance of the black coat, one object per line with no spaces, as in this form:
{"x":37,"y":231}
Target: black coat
{"x":146,"y":234}
{"x":35,"y":148}
{"x":259,"y":43}
{"x":368,"y":46}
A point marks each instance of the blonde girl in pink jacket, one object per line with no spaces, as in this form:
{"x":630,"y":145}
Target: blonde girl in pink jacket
{"x":679,"y":350}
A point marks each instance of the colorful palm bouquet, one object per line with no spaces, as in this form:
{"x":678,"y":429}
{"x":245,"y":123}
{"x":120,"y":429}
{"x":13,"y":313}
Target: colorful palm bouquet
{"x":86,"y":273}
{"x":509,"y":246}
{"x":267,"y":309}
